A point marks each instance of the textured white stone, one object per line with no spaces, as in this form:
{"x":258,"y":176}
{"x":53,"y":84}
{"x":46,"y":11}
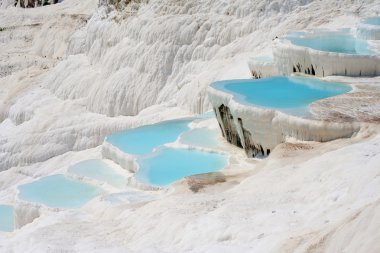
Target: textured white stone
{"x":262,"y":67}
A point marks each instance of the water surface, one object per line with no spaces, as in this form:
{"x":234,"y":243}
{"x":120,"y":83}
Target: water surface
{"x":58,"y":191}
{"x":334,"y":41}
{"x":169,"y":165}
{"x":202,"y":137}
{"x":99,"y":170}
{"x":6,"y":218}
{"x":143,"y":140}
{"x":372,"y":21}
{"x":283,"y":93}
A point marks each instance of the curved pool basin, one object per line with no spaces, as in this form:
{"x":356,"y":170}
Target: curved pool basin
{"x":372,"y":21}
{"x":201,"y":137}
{"x":281,"y":93}
{"x":143,"y":140}
{"x":168,"y":165}
{"x":341,"y":41}
{"x":98,"y":170}
{"x":58,"y":191}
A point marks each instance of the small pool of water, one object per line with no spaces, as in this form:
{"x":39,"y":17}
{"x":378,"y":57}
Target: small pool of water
{"x":372,"y":21}
{"x":6,"y":218}
{"x":99,"y":170}
{"x":143,"y":140}
{"x":331,"y":41}
{"x":283,"y":93}
{"x":58,"y":191}
{"x":169,"y":165}
{"x":202,"y":137}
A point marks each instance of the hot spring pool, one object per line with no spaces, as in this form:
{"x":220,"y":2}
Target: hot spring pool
{"x":202,"y":137}
{"x":99,"y":170}
{"x":291,"y":94}
{"x":168,"y":165}
{"x":331,"y":41}
{"x":58,"y":191}
{"x":6,"y":218}
{"x":143,"y":140}
{"x":372,"y":21}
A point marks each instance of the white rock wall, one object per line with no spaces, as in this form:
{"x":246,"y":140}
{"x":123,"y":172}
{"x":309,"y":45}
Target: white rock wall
{"x":262,"y":68}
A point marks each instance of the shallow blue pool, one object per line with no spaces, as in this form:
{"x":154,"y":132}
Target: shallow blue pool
{"x":143,"y":140}
{"x":169,"y":165}
{"x":372,"y":21}
{"x":337,"y":41}
{"x":58,"y":191}
{"x":202,"y":137}
{"x":6,"y":218}
{"x":99,"y":170}
{"x":281,"y":92}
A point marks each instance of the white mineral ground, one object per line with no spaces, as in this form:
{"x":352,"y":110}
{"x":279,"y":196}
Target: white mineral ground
{"x":72,"y":73}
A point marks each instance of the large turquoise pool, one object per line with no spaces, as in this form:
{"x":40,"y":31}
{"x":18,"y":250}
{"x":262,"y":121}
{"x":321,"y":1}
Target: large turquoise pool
{"x":6,"y":218}
{"x":58,"y":191}
{"x":331,"y":41}
{"x":169,"y":165}
{"x":143,"y":140}
{"x":281,"y":92}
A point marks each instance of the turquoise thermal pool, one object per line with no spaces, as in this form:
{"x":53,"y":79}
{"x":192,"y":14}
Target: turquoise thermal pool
{"x":99,"y":170}
{"x":143,"y":140}
{"x":58,"y":191}
{"x":6,"y":218}
{"x":202,"y":137}
{"x":331,"y":41}
{"x":283,"y":93}
{"x":372,"y":21}
{"x":168,"y":165}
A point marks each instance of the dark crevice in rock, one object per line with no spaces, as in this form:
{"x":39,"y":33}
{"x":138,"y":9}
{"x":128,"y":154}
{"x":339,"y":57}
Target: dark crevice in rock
{"x":228,"y":126}
{"x":256,"y":75}
{"x":34,"y":3}
{"x":229,"y":131}
{"x":299,"y":67}
{"x":312,"y":70}
{"x":250,"y":148}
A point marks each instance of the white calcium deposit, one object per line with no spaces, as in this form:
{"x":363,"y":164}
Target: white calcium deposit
{"x":269,"y":127}
{"x":74,"y":72}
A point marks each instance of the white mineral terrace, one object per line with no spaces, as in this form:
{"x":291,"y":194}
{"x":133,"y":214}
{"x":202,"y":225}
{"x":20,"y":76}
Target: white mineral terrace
{"x":369,"y":28}
{"x":262,"y":129}
{"x":75,"y":72}
{"x":291,"y":58}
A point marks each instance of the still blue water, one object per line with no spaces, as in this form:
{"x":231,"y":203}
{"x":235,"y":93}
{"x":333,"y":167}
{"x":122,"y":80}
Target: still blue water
{"x":372,"y":21}
{"x":169,"y":165}
{"x":58,"y":191}
{"x":337,"y":41}
{"x":281,"y":92}
{"x":6,"y":218}
{"x":99,"y":170}
{"x":202,"y":137}
{"x":143,"y":140}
